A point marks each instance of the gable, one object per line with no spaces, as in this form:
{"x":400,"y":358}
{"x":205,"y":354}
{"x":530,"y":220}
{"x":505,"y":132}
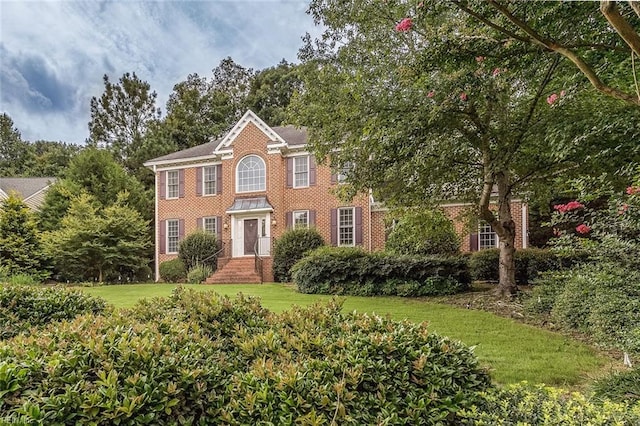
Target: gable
{"x":250,"y":118}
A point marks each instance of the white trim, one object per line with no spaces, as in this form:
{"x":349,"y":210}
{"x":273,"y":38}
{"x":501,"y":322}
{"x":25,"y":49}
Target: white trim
{"x":156,"y":227}
{"x":149,"y":164}
{"x":237,"y":231}
{"x":215,"y":180}
{"x":250,"y":117}
{"x":3,"y":195}
{"x":266,"y":209}
{"x":188,"y":166}
{"x":293,"y":218}
{"x":166,"y":235}
{"x":35,"y":193}
{"x":215,"y":223}
{"x":525,"y":225}
{"x":353,"y":226}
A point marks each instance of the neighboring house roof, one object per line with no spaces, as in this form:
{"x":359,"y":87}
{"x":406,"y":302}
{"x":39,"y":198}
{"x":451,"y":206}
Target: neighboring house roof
{"x":30,"y":190}
{"x":282,"y":136}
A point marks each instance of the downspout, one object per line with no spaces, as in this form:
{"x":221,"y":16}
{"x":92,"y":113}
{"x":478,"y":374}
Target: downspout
{"x":155,"y":228}
{"x":525,"y":225}
{"x":370,"y":222}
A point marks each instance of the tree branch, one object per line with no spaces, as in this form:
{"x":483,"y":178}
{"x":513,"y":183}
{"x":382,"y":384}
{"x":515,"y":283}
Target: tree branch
{"x":487,"y":22}
{"x":635,"y":6}
{"x":610,"y":11}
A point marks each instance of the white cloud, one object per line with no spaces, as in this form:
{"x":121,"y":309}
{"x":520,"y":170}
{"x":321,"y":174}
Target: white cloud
{"x":54,"y":54}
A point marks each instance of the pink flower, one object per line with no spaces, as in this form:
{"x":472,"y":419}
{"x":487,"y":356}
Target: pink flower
{"x":496,"y":72}
{"x":552,"y":98}
{"x":571,"y":205}
{"x":463,"y":96}
{"x":431,"y":94}
{"x":583,"y":229}
{"x":556,"y":232}
{"x":633,"y":190}
{"x":404,"y":25}
{"x":623,"y":208}
{"x":479,"y":58}
{"x":562,"y":93}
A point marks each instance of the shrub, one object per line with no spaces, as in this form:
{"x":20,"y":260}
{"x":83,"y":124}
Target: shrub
{"x":423,"y":233}
{"x":348,"y":270}
{"x":523,"y":404}
{"x":23,"y":279}
{"x":199,"y":358}
{"x":24,"y":307}
{"x":621,"y":386}
{"x":173,"y":271}
{"x":199,"y":274}
{"x":198,"y":248}
{"x":291,"y":247}
{"x":483,"y":265}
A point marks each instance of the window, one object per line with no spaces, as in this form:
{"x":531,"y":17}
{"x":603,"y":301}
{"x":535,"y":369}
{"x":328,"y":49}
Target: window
{"x":173,"y":184}
{"x":346,"y":231}
{"x":209,"y":180}
{"x":209,"y":225}
{"x":251,"y":174}
{"x":344,"y":172}
{"x":487,"y":238}
{"x":301,"y":219}
{"x":172,"y":236}
{"x":300,"y":172}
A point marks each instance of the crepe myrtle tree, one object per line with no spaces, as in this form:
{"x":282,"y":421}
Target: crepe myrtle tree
{"x":430,"y":111}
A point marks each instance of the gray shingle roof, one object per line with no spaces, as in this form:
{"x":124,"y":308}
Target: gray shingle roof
{"x":25,"y":187}
{"x":292,"y":135}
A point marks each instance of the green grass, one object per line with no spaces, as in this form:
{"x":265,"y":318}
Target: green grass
{"x":512,"y":351}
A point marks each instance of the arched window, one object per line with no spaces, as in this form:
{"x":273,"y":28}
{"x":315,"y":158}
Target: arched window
{"x":251,"y":174}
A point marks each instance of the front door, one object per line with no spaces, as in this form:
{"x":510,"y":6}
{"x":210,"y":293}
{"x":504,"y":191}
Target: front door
{"x":250,"y":235}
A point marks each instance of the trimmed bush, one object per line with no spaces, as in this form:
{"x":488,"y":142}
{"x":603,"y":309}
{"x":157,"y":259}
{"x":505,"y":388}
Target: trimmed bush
{"x":199,"y":358}
{"x":291,"y":247}
{"x":24,"y":307}
{"x":199,"y":274}
{"x":173,"y":271}
{"x":622,"y":386}
{"x":423,"y":233}
{"x":198,"y":248}
{"x":524,"y":404}
{"x":530,"y":263}
{"x":349,"y":270}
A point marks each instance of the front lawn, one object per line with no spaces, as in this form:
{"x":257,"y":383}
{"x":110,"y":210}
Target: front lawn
{"x":513,"y":351}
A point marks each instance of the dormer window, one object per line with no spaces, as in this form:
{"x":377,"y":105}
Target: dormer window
{"x":251,"y":174}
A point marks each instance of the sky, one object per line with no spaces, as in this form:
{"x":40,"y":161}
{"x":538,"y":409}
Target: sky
{"x":53,"y":54}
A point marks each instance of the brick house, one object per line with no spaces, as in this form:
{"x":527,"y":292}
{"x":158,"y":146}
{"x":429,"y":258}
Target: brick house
{"x":255,"y":183}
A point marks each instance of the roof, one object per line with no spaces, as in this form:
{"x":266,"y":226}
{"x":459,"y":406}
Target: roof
{"x":291,"y":135}
{"x":30,"y":190}
{"x":250,"y":204}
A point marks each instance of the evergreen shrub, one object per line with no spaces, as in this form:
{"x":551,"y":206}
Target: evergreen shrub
{"x":200,"y":358}
{"x":291,"y":247}
{"x":351,"y":270}
{"x":173,"y":271}
{"x":423,"y":233}
{"x":199,"y":274}
{"x":198,"y":248}
{"x":24,"y":307}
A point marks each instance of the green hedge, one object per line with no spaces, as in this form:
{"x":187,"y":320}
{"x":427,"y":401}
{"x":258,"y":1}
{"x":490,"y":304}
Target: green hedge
{"x":525,"y":405}
{"x":24,"y":307}
{"x":199,"y":358}
{"x":530,"y":263}
{"x":348,"y":270}
{"x":290,"y":248}
{"x":173,"y":271}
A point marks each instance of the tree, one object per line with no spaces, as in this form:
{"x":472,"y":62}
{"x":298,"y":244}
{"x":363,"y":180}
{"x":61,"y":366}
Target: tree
{"x":20,"y":249}
{"x":50,"y":158}
{"x":271,"y":91}
{"x":121,"y":116}
{"x":93,"y":243}
{"x":437,"y":111}
{"x":96,"y":173}
{"x":601,"y":41}
{"x":13,"y":150}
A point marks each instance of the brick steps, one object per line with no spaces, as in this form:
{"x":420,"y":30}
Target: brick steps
{"x":235,"y":271}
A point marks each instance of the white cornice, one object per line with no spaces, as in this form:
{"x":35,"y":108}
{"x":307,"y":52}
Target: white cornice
{"x":250,"y":117}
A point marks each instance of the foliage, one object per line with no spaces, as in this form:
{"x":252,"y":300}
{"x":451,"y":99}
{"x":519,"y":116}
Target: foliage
{"x":120,"y":117}
{"x":423,"y":233}
{"x":447,"y":111}
{"x":96,"y":173}
{"x":271,"y":90}
{"x":530,"y":264}
{"x":290,"y":248}
{"x":524,"y":404}
{"x":24,"y":307}
{"x":20,"y":248}
{"x":199,"y":273}
{"x":347,"y":270}
{"x":12,"y":148}
{"x":173,"y":271}
{"x":98,"y":244}
{"x":206,"y":359}
{"x":620,"y":386}
{"x":198,"y":248}
{"x":23,"y":279}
